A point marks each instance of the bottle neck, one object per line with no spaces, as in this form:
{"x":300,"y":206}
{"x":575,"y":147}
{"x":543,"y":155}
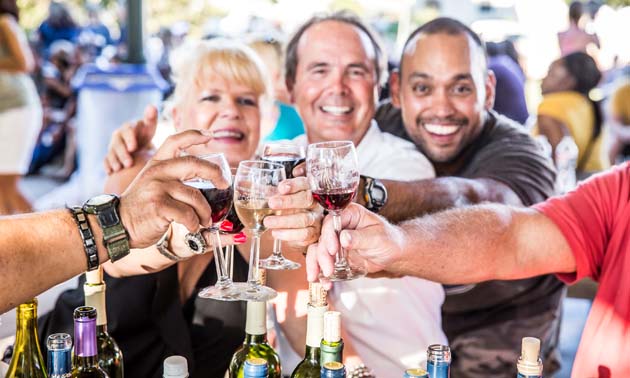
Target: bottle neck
{"x":256,"y":322}
{"x":59,"y":365}
{"x":438,"y":369}
{"x":312,"y":353}
{"x":85,"y":338}
{"x":255,"y":339}
{"x":315,"y":325}
{"x":26,"y":325}
{"x":331,"y":351}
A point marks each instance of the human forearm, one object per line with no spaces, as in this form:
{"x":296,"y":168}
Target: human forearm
{"x":39,"y":251}
{"x":482,"y":243}
{"x":12,"y":65}
{"x":408,"y":200}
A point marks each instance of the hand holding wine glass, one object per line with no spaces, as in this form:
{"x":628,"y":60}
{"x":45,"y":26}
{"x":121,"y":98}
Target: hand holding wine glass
{"x":333,"y":174}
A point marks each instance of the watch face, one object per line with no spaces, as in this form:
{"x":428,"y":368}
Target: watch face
{"x":100,"y":200}
{"x":378,"y":195}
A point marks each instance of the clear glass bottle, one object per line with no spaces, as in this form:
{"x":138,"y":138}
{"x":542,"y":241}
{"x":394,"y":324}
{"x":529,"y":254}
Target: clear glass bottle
{"x":27,"y":360}
{"x":255,"y":344}
{"x":529,"y":364}
{"x":439,"y":361}
{"x":110,"y":357}
{"x":309,"y":367}
{"x":331,"y":347}
{"x":59,"y":355}
{"x":85,"y":360}
{"x":175,"y":367}
{"x":333,"y":369}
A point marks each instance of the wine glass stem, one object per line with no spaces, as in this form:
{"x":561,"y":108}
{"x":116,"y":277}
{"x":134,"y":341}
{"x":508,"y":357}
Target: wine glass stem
{"x":254,"y":256}
{"x":277,"y":248}
{"x":224,"y":279}
{"x":229,"y":257}
{"x":340,"y":259}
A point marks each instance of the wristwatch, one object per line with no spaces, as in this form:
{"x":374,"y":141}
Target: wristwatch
{"x":374,"y":194}
{"x":115,"y":237}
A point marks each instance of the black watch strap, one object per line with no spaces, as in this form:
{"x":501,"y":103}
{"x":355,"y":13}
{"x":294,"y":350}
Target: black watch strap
{"x":89,"y":244}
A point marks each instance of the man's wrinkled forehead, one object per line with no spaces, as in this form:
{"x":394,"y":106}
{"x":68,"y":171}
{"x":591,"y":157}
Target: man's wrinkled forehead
{"x":476,"y":54}
{"x":321,"y":32}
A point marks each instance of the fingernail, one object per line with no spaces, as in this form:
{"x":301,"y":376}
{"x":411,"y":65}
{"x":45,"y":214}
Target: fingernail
{"x":286,"y":187}
{"x":240,"y":238}
{"x":127,"y":163}
{"x":226,"y":226}
{"x":207,"y":133}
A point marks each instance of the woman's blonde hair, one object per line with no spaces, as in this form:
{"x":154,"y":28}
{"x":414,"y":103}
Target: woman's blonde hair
{"x":230,"y":59}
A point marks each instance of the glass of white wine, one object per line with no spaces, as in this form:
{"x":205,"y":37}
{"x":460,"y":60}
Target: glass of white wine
{"x":255,"y":182}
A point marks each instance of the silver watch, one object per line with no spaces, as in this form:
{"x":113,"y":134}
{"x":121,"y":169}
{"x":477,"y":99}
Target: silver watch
{"x":196,"y":243}
{"x":163,"y":246}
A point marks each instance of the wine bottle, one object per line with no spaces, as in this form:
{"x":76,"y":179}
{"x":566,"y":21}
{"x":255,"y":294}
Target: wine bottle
{"x":59,"y":355}
{"x":255,"y":344}
{"x":439,"y":361}
{"x":85,"y":361}
{"x":333,"y":369}
{"x":331,"y":347}
{"x":529,"y":364}
{"x":309,"y":367}
{"x":415,"y":373}
{"x":27,"y":360}
{"x":110,"y":357}
{"x":175,"y":367}
{"x":256,"y":368}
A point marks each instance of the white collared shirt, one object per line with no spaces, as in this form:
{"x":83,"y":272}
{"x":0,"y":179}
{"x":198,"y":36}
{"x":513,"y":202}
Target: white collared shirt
{"x":391,"y":321}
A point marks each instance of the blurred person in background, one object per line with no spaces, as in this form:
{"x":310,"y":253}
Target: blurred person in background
{"x":95,"y":31}
{"x":510,"y":89}
{"x":618,"y":121}
{"x":20,"y":109}
{"x":575,"y":38}
{"x":567,"y":110}
{"x":58,"y":25}
{"x":282,"y":121}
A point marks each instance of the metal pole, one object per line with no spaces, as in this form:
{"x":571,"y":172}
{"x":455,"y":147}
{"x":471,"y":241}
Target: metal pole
{"x":135,"y":31}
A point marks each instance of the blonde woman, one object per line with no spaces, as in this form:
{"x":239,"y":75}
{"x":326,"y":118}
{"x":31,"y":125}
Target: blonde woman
{"x":20,"y":109}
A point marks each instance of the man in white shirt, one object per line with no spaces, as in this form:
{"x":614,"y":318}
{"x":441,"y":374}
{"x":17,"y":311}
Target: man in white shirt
{"x":333,"y":68}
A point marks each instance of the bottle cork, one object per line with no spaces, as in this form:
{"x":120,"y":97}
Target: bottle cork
{"x":317,"y":294}
{"x":332,"y":326}
{"x":94,"y":277}
{"x":530,"y":349}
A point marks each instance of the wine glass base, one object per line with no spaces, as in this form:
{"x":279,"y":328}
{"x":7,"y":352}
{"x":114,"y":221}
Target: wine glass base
{"x":278,"y":263}
{"x":221,"y":293}
{"x":345,"y":274}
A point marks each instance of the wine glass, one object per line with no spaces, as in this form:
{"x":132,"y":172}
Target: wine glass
{"x":333,"y":175}
{"x":289,"y":155}
{"x":255,"y":182}
{"x":220,"y":200}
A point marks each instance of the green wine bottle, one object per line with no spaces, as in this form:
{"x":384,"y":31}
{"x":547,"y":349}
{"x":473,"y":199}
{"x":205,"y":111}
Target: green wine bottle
{"x":27,"y":360}
{"x":85,"y":361}
{"x":255,"y":344}
{"x":110,"y":356}
{"x":332,"y":344}
{"x":309,"y":367}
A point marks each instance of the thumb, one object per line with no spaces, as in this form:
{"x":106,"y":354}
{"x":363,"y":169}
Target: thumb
{"x":149,"y":124}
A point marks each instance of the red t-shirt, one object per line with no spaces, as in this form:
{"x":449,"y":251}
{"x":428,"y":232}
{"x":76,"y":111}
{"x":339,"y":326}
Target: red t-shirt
{"x":595,"y":220}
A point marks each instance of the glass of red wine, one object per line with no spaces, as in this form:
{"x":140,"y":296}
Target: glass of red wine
{"x":289,"y":155}
{"x":333,"y":173}
{"x":220,"y":200}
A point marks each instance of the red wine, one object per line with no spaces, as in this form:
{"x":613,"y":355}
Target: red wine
{"x":237,"y":225}
{"x":288,"y":161}
{"x":220,"y":200}
{"x":336,"y":199}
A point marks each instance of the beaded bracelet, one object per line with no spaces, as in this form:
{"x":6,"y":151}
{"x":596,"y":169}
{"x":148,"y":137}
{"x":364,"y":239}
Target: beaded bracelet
{"x":89,"y":245}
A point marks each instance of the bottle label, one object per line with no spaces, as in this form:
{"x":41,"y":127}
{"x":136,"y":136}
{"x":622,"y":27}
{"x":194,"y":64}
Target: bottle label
{"x":256,"y":323}
{"x":315,"y":325}
{"x":95,"y":297}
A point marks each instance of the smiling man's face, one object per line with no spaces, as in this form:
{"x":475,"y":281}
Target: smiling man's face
{"x":443,"y":91}
{"x":335,"y":82}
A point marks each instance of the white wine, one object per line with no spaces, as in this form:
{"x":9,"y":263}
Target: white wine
{"x":252,"y":213}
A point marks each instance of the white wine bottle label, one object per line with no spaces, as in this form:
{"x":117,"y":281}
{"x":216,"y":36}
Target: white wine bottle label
{"x":95,"y":297}
{"x":332,"y":326}
{"x":256,"y":323}
{"x":315,"y":325}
